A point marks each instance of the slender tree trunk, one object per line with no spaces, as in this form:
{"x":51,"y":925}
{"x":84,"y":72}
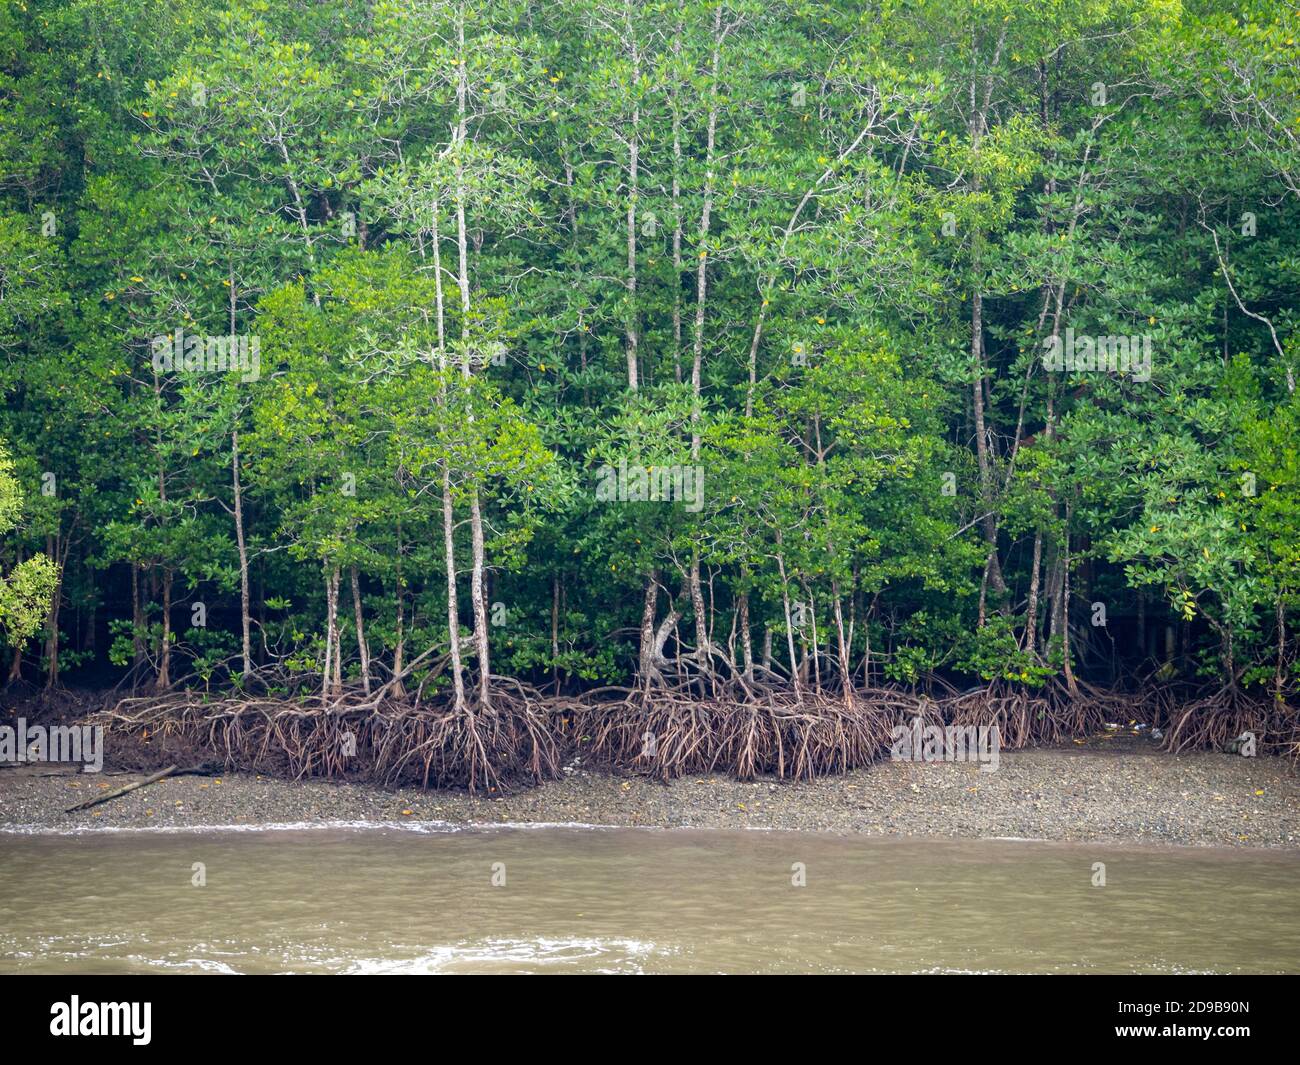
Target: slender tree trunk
{"x":816,"y":639}
{"x":480,"y":604}
{"x":331,"y":642}
{"x":399,"y":639}
{"x":789,"y":621}
{"x":337,"y":630}
{"x":478,"y":562}
{"x":362,"y":647}
{"x":978,"y":125}
{"x":678,"y":264}
{"x":1070,"y":682}
{"x":555,"y":630}
{"x":989,"y":521}
{"x":245,"y":621}
{"x":632,"y":326}
{"x":845,"y":680}
{"x":703,"y":657}
{"x":646,"y":658}
{"x":164,"y":681}
{"x":137,"y":624}
{"x":238,"y":504}
{"x":1279,"y":675}
{"x":326,"y":666}
{"x":448,"y":505}
{"x":453,"y":607}
{"x":702,"y":238}
{"x":702,"y":649}
{"x":1031,"y":610}
{"x":746,"y":637}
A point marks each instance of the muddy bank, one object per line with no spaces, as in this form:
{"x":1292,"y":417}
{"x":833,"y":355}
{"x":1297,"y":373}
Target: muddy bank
{"x":1119,"y":790}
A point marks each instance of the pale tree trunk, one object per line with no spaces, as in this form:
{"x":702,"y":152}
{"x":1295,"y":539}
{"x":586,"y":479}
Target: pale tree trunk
{"x":453,"y":607}
{"x":448,"y":506}
{"x":1070,"y":682}
{"x":632,"y":343}
{"x":399,"y":639}
{"x":678,"y":264}
{"x":703,"y":644}
{"x":238,"y":503}
{"x":702,"y":648}
{"x":1031,"y":609}
{"x":362,"y":647}
{"x":337,"y":630}
{"x":989,"y":522}
{"x":746,"y":637}
{"x":329,"y":644}
{"x":477,"y":600}
{"x":331,"y":674}
{"x":816,"y":654}
{"x":480,"y":605}
{"x":992,"y":567}
{"x":789,"y":621}
{"x":244,"y":615}
{"x":845,"y":680}
{"x":650,"y":604}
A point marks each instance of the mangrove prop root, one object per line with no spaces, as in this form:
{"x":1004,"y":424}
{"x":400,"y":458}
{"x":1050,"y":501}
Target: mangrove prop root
{"x":522,"y":736}
{"x":393,"y":743}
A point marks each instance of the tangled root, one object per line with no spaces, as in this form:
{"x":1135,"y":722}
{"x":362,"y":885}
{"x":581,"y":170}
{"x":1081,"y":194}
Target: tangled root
{"x":1218,"y":720}
{"x":1027,"y":718}
{"x":444,"y":746}
{"x":781,"y":736}
{"x":522,"y":736}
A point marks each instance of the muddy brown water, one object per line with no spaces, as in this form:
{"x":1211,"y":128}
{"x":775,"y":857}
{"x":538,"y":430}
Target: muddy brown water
{"x":569,"y":899}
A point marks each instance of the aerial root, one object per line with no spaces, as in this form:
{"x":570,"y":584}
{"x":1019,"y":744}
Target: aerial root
{"x":1219,"y":720}
{"x":476,"y":747}
{"x":522,"y":736}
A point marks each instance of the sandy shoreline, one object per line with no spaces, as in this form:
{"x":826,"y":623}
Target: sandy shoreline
{"x":1119,"y":791}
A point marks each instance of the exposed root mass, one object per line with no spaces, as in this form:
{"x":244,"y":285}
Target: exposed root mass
{"x":524,"y":737}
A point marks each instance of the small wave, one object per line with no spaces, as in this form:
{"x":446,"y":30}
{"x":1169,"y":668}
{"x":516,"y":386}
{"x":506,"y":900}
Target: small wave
{"x":623,"y":955}
{"x":1017,"y":839}
{"x":425,"y":827}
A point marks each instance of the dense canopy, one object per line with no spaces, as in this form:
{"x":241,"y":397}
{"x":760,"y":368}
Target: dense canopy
{"x":729,"y":344}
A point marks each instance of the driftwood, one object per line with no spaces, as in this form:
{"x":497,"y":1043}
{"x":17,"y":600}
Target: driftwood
{"x":153,"y":778}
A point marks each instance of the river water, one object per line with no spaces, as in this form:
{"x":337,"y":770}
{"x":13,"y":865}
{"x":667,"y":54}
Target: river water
{"x":571,"y":899}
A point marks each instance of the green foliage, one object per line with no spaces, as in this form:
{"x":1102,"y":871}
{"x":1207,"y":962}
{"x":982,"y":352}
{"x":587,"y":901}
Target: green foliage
{"x":806,"y":258}
{"x":26,"y":589}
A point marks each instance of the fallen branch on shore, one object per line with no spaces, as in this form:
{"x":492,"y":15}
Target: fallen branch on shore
{"x":126,"y":789}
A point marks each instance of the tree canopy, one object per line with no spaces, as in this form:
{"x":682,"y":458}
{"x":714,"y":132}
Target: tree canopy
{"x":621,"y":342}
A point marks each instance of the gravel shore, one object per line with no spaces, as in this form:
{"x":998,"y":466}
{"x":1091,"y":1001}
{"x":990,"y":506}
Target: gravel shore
{"x":1111,"y":789}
